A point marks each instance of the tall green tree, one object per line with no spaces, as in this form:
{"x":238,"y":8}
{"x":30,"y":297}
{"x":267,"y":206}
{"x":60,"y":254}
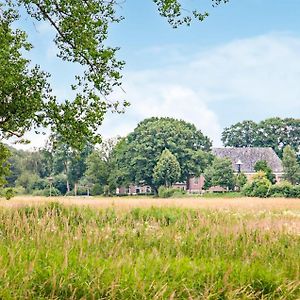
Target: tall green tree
{"x":291,"y":166}
{"x":220,"y":173}
{"x":99,"y":164}
{"x":136,"y":156}
{"x":167,"y":170}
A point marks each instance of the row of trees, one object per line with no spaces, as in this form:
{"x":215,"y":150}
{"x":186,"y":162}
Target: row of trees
{"x":66,"y":170}
{"x":160,"y":151}
{"x":276,"y":133}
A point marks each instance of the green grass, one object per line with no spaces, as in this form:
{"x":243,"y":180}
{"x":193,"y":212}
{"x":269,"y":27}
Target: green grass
{"x":78,"y":253}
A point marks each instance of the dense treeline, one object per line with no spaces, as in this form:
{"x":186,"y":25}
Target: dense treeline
{"x":66,"y":170}
{"x":159,"y":152}
{"x":274,"y":132}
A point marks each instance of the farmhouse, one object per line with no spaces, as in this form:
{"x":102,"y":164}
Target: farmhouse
{"x":243,"y":160}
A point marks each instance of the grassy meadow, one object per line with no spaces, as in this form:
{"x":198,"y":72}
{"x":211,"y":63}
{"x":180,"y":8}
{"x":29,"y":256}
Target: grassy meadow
{"x":58,"y":251}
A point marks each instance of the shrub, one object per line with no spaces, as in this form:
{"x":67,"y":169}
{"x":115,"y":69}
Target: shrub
{"x":247,"y":189}
{"x":38,"y":193}
{"x":164,"y":192}
{"x":283,"y":188}
{"x":19,"y":190}
{"x":97,"y":189}
{"x":54,"y":192}
{"x":295,"y":192}
{"x":179,"y":193}
{"x":7,"y":193}
{"x":70,"y":193}
{"x":259,"y":187}
{"x":277,"y":195}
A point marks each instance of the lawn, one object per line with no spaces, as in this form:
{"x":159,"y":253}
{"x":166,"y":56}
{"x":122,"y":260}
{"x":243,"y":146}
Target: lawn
{"x":135,"y":251}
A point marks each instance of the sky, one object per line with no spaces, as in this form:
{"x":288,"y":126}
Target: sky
{"x":241,"y":63}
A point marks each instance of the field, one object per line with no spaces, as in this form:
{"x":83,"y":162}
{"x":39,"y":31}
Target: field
{"x":147,"y":248}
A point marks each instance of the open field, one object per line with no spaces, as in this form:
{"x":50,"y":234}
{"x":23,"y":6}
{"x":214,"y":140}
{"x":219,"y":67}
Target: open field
{"x":245,"y":203}
{"x":121,"y":248}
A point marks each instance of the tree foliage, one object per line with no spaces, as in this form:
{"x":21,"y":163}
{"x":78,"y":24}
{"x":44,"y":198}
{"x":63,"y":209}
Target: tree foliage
{"x":82,"y":29}
{"x":274,"y":132}
{"x":23,"y":90}
{"x":99,"y":165}
{"x":177,"y":14}
{"x":291,"y":166}
{"x":262,"y":165}
{"x":220,"y":173}
{"x":240,"y":180}
{"x":167,"y":170}
{"x":136,"y":156}
{"x":4,"y":166}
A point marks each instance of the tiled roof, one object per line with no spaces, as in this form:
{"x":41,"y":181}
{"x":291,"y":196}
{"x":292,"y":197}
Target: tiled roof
{"x":249,"y":156}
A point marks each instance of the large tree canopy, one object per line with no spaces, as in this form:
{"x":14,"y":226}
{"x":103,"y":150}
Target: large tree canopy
{"x":274,"y":132}
{"x":81,"y":28}
{"x":137,"y":154}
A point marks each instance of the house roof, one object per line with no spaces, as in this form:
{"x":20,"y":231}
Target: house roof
{"x":249,"y":156}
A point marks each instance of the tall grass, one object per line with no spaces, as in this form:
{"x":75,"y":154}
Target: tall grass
{"x":54,"y":252}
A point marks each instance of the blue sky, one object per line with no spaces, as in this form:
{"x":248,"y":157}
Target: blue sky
{"x":242,"y":62}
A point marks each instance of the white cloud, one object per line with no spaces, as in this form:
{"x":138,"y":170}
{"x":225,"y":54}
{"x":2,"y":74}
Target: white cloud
{"x":252,"y":78}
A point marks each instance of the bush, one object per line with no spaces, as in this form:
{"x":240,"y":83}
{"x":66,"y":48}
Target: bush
{"x":46,"y":192}
{"x":97,"y":189}
{"x":294,"y":192}
{"x":39,"y":193}
{"x":19,"y":190}
{"x":247,"y":189}
{"x":259,"y":187}
{"x":179,"y":193}
{"x":70,"y":193}
{"x":283,"y":188}
{"x":81,"y":191}
{"x":164,"y":192}
{"x":7,"y":193}
{"x":277,"y":195}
